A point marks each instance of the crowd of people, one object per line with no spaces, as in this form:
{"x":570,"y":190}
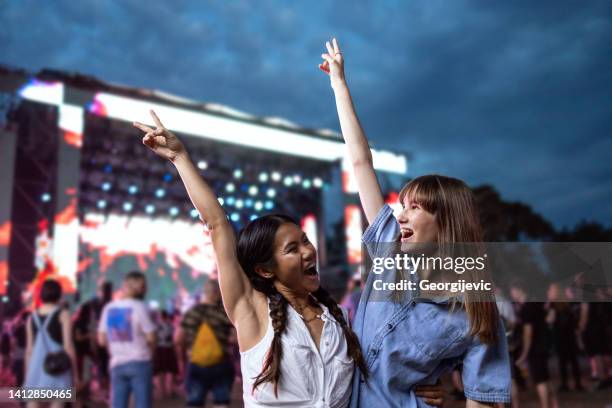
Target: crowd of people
{"x":120,"y":347}
{"x":116,"y":347}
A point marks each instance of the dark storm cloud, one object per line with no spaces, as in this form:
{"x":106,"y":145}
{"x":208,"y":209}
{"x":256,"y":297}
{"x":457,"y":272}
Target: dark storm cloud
{"x":515,"y":94}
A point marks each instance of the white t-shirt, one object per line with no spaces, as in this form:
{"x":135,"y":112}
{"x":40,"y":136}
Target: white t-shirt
{"x":125,"y":323}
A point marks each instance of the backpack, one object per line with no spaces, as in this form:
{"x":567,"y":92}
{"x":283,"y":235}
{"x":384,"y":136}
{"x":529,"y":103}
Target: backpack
{"x":206,"y":350}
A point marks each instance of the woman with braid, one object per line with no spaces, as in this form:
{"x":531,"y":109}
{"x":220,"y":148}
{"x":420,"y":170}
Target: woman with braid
{"x":296,"y":347}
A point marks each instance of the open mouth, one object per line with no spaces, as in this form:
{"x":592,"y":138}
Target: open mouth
{"x":407,"y":233}
{"x":312,"y":271}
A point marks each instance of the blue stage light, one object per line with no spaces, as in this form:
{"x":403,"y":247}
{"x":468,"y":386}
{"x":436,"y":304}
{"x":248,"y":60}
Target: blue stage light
{"x":237,"y":173}
{"x":230,"y":200}
{"x":101,"y":204}
{"x":45,"y":197}
{"x":133,"y":189}
{"x":106,"y":186}
{"x":173,"y":211}
{"x":235,"y":217}
{"x":269,"y":205}
{"x":194,"y":213}
{"x":167,"y":177}
{"x":149,"y":208}
{"x":160,"y":192}
{"x":128,"y":207}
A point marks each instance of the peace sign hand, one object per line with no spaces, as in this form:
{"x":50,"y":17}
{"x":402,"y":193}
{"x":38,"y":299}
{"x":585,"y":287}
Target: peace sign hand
{"x":163,"y":142}
{"x":333,"y":64}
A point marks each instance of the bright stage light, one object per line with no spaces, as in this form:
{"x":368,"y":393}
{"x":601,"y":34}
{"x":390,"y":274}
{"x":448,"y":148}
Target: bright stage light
{"x":271,"y":193}
{"x":253,"y":190}
{"x":128,"y":206}
{"x":306,"y":183}
{"x":101,"y":204}
{"x":173,"y":211}
{"x":252,"y":217}
{"x":237,"y":173}
{"x":239,"y":203}
{"x":263,"y":177}
{"x":160,"y":193}
{"x":194,"y":213}
{"x":297,"y":178}
{"x":235,"y":217}
{"x":133,"y":189}
{"x":258,"y":206}
{"x":276,"y":176}
{"x":149,"y":208}
{"x":288,"y":181}
{"x":106,"y":186}
{"x":45,"y":197}
{"x":230,"y":187}
{"x":269,"y":205}
{"x":202,"y":165}
{"x":248,"y":203}
{"x":317,"y":182}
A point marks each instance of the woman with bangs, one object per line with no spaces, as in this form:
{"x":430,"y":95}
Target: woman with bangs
{"x":416,"y":338}
{"x":296,"y":347}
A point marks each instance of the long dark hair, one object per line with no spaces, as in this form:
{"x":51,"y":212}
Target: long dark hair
{"x":256,"y":248}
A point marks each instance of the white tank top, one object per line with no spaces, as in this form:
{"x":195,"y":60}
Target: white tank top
{"x":309,"y":377}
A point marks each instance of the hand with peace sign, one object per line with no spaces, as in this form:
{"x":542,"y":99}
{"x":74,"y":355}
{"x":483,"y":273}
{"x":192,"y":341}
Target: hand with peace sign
{"x":163,"y":142}
{"x":333,"y":64}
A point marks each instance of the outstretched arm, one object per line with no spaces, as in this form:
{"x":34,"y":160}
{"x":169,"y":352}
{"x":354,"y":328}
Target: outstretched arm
{"x":236,"y":290}
{"x":359,"y":151}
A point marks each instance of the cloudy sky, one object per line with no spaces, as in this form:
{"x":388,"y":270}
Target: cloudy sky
{"x":517,"y":94}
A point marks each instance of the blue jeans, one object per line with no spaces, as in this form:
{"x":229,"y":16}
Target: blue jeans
{"x":136,"y":376}
{"x":217,"y":378}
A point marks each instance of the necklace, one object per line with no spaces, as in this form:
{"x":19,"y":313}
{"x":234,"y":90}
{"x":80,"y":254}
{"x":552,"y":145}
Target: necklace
{"x":299,"y":311}
{"x":316,"y":316}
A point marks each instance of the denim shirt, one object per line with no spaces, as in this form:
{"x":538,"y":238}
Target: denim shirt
{"x":406,"y":343}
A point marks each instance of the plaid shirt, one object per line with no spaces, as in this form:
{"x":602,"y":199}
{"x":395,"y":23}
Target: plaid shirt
{"x":213,"y":315}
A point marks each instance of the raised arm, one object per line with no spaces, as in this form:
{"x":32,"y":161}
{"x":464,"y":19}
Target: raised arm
{"x":236,"y":290}
{"x":359,"y":151}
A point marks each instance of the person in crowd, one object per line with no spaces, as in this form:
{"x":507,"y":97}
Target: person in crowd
{"x":565,"y":330}
{"x":165,"y":366}
{"x":411,"y":342}
{"x":19,"y":342}
{"x":126,"y":329}
{"x":5,"y":345}
{"x":593,"y":332}
{"x":535,"y":344}
{"x":352,"y":295}
{"x":271,"y":293}
{"x":205,"y":327}
{"x":86,"y":322}
{"x":49,"y":336}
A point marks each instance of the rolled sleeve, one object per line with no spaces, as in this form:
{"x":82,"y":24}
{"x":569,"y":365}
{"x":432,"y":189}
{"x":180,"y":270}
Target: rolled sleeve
{"x":384,"y":228}
{"x":486,"y":370}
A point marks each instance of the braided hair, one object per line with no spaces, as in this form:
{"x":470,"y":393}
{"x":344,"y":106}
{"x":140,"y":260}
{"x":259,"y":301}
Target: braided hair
{"x":256,"y":248}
